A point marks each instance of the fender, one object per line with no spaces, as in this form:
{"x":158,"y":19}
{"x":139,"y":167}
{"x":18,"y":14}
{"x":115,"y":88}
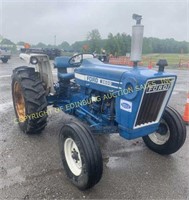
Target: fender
{"x":42,"y":65}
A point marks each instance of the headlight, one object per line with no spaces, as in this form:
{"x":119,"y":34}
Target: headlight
{"x":130,"y":88}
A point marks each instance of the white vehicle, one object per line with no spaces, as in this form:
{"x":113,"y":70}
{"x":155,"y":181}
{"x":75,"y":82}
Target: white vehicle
{"x":5,"y":54}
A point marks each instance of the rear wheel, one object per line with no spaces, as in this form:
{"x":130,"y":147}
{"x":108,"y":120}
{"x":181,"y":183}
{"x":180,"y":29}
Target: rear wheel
{"x":29,"y":100}
{"x":171,"y":133}
{"x":81,"y":156}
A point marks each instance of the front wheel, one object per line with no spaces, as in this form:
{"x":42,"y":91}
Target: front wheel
{"x":81,"y":156}
{"x":171,"y":133}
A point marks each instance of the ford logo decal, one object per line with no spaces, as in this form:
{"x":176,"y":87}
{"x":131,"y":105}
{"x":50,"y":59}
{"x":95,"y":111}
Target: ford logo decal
{"x":126,"y":105}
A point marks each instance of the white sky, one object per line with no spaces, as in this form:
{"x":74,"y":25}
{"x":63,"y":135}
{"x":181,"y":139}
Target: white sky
{"x":39,"y":21}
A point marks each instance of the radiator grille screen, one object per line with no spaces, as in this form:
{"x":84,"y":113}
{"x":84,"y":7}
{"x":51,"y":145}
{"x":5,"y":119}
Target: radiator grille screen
{"x":153,"y":98}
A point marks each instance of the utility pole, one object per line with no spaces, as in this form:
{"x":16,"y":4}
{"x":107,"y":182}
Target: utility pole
{"x":54,"y":40}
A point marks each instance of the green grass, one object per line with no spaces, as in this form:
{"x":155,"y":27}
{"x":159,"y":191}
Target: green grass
{"x":173,"y":59}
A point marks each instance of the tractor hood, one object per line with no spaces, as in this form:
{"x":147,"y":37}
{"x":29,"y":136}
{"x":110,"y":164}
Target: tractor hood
{"x":109,"y":78}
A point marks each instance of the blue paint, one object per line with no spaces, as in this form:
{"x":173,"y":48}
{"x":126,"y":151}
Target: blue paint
{"x":94,"y":78}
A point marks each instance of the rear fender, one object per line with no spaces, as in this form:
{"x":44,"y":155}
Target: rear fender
{"x":43,"y":67}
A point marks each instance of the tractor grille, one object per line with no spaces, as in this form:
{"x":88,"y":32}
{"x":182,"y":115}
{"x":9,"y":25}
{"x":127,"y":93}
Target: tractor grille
{"x":154,"y":100}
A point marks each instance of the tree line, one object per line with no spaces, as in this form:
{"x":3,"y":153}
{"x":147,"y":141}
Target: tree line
{"x":117,"y":45}
{"x":120,"y":44}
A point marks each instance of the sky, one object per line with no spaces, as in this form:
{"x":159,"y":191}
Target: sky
{"x":35,"y":21}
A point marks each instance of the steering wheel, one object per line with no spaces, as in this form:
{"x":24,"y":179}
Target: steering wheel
{"x":77,"y":59}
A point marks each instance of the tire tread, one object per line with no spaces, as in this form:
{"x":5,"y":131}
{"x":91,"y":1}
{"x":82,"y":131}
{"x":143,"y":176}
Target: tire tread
{"x":35,"y":98}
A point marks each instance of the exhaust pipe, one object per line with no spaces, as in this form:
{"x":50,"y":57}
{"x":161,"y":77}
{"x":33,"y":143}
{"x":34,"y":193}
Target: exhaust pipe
{"x":137,"y":40}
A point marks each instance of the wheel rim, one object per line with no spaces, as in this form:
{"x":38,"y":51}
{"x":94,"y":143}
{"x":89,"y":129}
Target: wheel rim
{"x":162,"y":135}
{"x":73,"y":157}
{"x":19,"y":102}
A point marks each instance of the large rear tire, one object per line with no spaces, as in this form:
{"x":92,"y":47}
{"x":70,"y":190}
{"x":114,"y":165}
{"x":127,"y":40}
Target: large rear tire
{"x":29,"y":100}
{"x":81,"y":155}
{"x":170,"y":135}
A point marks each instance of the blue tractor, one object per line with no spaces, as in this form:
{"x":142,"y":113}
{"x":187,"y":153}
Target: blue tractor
{"x":105,"y":99}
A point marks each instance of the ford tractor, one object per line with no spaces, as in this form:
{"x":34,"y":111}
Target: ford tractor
{"x":105,"y":98}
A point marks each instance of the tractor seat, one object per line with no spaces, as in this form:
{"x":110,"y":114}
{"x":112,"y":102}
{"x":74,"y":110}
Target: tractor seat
{"x":62,"y":63}
{"x":65,"y":76}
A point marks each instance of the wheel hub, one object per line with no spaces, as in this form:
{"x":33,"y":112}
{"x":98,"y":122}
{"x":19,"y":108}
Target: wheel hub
{"x":19,"y":102}
{"x":162,"y":129}
{"x":73,"y":157}
{"x":162,"y":135}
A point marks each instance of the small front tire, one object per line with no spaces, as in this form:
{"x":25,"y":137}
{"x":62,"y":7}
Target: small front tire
{"x":81,"y":155}
{"x":170,"y":135}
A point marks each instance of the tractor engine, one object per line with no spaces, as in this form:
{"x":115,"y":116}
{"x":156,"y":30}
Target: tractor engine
{"x":102,"y":105}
